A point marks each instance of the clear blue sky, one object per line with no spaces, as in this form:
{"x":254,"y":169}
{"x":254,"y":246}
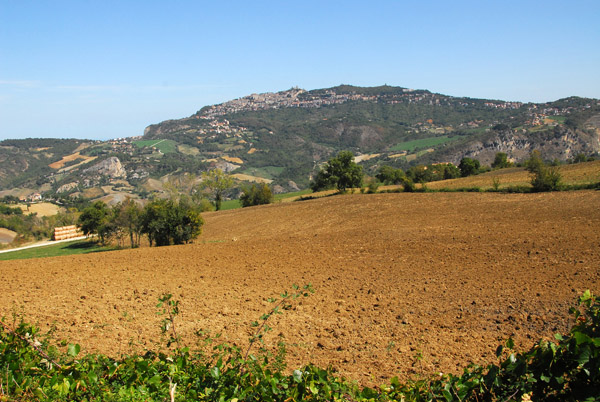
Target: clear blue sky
{"x":107,"y":69}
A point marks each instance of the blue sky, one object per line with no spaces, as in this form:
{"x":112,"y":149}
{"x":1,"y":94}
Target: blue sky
{"x":107,"y":69}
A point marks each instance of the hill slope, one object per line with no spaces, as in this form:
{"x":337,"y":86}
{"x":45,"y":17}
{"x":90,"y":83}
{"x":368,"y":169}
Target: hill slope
{"x":405,"y":283}
{"x":282,"y":138}
{"x":296,"y":129}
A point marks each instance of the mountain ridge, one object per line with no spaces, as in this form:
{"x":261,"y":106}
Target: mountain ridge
{"x":283,"y":136}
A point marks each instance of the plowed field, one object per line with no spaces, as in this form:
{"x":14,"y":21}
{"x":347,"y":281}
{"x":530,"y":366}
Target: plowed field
{"x":405,"y":283}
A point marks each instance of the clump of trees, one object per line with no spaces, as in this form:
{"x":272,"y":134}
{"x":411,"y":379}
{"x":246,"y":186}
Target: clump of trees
{"x":469,"y":167}
{"x":581,"y":157}
{"x":389,"y":175}
{"x":257,"y":194}
{"x":544,"y":177}
{"x":6,"y":210}
{"x":433,"y":172}
{"x":417,"y":174}
{"x":164,"y":222}
{"x":340,"y":172}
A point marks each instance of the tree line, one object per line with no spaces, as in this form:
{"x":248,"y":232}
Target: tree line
{"x":163,"y":221}
{"x":342,"y":173}
{"x":170,"y":221}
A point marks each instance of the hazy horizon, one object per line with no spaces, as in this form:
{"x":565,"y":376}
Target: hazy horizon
{"x":106,"y":70}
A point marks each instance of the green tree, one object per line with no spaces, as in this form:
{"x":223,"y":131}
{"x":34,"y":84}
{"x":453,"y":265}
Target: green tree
{"x":126,"y":218}
{"x":449,"y":171}
{"x":257,"y":194}
{"x":95,"y":220}
{"x":420,"y":174}
{"x":544,"y":178}
{"x":340,"y":172}
{"x":469,"y":167}
{"x":167,"y":222}
{"x":501,"y":161}
{"x":389,"y":175}
{"x":217,"y":183}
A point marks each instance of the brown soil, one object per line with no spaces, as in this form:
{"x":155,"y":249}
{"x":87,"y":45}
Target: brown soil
{"x":405,"y":283}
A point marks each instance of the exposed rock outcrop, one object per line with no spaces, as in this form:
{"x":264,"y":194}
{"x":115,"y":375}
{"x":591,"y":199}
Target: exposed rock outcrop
{"x":65,"y":188}
{"x":560,"y":143}
{"x":109,"y":167}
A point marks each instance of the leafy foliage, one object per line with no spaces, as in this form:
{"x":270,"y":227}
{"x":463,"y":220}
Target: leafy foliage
{"x":340,"y":172}
{"x":217,"y":182}
{"x":389,"y":175}
{"x":566,"y":369}
{"x":95,"y":220}
{"x":469,"y":166}
{"x":168,"y":222}
{"x":6,"y":210}
{"x":544,"y":178}
{"x":257,"y":194}
{"x":501,"y":161}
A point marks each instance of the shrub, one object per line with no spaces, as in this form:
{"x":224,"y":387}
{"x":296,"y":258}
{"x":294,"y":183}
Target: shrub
{"x":408,"y":185}
{"x":256,"y":195}
{"x":544,"y":178}
{"x":501,"y":161}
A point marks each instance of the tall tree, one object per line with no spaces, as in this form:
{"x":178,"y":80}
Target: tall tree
{"x":95,"y":220}
{"x":217,"y":182}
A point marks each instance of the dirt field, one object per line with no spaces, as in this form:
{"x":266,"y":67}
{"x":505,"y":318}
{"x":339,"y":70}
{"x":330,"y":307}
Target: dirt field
{"x":405,"y":283}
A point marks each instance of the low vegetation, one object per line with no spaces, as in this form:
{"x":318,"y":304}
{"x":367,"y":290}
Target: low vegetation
{"x":56,"y":250}
{"x":33,"y":368}
{"x":257,"y":194}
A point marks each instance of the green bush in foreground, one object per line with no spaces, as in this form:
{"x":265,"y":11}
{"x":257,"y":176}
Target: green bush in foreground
{"x":567,"y":369}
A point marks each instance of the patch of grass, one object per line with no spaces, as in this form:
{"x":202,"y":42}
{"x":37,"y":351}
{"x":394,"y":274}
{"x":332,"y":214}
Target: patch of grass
{"x":235,"y":204}
{"x":267,"y":172}
{"x":164,"y":146}
{"x":410,"y":146}
{"x":55,"y":250}
{"x":558,"y":119}
{"x":230,"y":204}
{"x":279,"y":197}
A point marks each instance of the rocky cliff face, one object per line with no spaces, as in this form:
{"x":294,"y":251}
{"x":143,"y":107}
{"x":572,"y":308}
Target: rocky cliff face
{"x":561,"y":143}
{"x":109,"y":167}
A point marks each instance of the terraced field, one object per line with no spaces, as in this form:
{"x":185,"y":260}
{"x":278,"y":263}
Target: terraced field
{"x":405,"y":283}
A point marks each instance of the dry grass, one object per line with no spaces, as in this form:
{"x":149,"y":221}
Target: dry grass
{"x":580,"y":173}
{"x":69,"y":158}
{"x":247,"y":177}
{"x":233,"y":160}
{"x":6,"y":236}
{"x":41,"y":208}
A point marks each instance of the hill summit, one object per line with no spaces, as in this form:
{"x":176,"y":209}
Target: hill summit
{"x":281,"y":138}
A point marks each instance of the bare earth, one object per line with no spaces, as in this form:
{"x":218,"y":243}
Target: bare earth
{"x":406,"y":284}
